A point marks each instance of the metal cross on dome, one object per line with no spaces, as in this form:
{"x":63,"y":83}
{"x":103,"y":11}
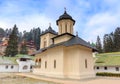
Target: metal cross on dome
{"x":65,"y":8}
{"x":50,"y":24}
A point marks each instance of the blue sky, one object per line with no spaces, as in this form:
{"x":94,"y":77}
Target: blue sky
{"x":93,"y":17}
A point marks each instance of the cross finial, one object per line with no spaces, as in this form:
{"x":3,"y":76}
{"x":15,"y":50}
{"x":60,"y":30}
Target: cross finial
{"x":76,"y":33}
{"x":65,"y":8}
{"x":49,"y":24}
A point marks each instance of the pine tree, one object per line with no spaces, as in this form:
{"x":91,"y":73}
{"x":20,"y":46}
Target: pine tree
{"x":12,"y":48}
{"x":99,"y":45}
{"x":93,"y":44}
{"x":23,"y":49}
{"x":2,"y":32}
{"x":33,"y":35}
{"x":38,"y":38}
{"x":117,"y":39}
{"x":110,"y":43}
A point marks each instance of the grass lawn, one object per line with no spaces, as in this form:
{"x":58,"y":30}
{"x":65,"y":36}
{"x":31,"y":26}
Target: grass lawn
{"x":13,"y":59}
{"x":108,"y":59}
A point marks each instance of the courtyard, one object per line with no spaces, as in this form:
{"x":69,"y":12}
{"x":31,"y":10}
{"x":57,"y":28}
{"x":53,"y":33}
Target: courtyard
{"x":12,"y":78}
{"x":29,"y":78}
{"x":96,"y":80}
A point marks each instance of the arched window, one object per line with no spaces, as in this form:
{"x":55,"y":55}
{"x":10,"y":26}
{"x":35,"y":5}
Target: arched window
{"x":40,"y":62}
{"x":36,"y":61}
{"x":85,"y":63}
{"x":31,"y":67}
{"x":6,"y":66}
{"x":45,"y":43}
{"x":39,"y":59}
{"x":70,"y":28}
{"x":65,"y":27}
{"x":117,"y":68}
{"x":45,"y":64}
{"x":25,"y":67}
{"x":61,"y":29}
{"x":54,"y":63}
{"x":105,"y":68}
{"x":97,"y":67}
{"x":11,"y":67}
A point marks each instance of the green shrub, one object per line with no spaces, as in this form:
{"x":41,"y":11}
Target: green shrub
{"x":108,"y":74}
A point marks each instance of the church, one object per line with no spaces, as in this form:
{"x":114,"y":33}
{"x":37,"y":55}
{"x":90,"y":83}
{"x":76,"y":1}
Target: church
{"x":63,"y":54}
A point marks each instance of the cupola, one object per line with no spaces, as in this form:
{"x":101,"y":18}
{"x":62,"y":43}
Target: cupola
{"x":65,"y":23}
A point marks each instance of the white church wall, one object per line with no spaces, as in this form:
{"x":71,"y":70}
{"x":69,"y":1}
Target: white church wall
{"x":110,"y":69}
{"x":8,"y":68}
{"x":49,"y":57}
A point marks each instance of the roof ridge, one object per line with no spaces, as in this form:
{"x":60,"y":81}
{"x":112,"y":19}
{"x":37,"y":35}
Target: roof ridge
{"x":77,"y":40}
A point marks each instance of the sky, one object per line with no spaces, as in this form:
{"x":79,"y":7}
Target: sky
{"x":93,"y":17}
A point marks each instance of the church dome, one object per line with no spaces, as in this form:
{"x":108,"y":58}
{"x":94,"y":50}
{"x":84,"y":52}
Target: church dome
{"x":49,"y":30}
{"x":65,"y":16}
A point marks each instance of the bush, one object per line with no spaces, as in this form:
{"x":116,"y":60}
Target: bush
{"x":108,"y":74}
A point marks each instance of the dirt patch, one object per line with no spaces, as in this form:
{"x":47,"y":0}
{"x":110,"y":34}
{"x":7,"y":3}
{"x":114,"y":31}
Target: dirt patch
{"x":12,"y":78}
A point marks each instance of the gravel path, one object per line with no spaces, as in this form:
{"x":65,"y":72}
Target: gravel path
{"x":12,"y":78}
{"x":22,"y":78}
{"x":97,"y":80}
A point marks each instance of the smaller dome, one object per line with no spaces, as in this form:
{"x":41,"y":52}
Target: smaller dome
{"x":65,"y":16}
{"x":49,"y":30}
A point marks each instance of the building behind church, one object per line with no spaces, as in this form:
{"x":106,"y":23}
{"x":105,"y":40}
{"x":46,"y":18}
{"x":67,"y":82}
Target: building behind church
{"x":62,"y":54}
{"x":20,"y":63}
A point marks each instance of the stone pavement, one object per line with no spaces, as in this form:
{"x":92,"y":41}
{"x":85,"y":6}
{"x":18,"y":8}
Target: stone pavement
{"x":97,"y":80}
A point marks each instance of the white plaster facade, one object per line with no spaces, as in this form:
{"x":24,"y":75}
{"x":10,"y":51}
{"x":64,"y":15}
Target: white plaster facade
{"x":25,"y":66}
{"x":20,"y":66}
{"x":109,"y":69}
{"x":9,"y":68}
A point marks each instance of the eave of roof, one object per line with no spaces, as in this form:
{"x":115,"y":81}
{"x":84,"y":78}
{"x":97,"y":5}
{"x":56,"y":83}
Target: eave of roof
{"x":75,"y":40}
{"x":65,"y":19}
{"x":49,"y":32}
{"x":63,"y":35}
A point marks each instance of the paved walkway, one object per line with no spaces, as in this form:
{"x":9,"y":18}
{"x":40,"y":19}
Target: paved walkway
{"x":97,"y":80}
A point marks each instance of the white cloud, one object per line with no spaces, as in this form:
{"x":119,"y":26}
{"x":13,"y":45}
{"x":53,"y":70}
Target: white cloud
{"x":24,"y":15}
{"x":92,"y":18}
{"x":28,"y":22}
{"x":101,"y":24}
